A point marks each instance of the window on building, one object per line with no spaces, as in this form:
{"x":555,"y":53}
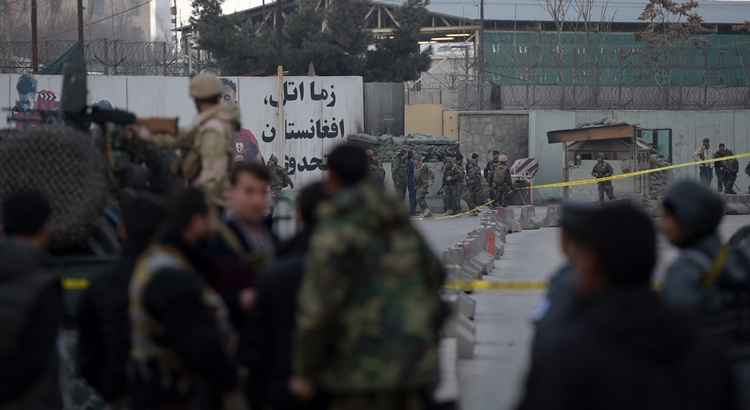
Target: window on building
{"x":659,"y":138}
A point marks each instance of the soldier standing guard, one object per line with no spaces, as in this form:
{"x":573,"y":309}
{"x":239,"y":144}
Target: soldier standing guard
{"x":376,"y":170}
{"x":726,"y":171}
{"x":703,"y":153}
{"x":474,"y":182}
{"x":502,"y":184}
{"x":208,"y":145}
{"x":489,"y":172}
{"x":279,"y":178}
{"x":399,"y":175}
{"x":425,"y":179}
{"x":451,"y":186}
{"x":602,"y":169}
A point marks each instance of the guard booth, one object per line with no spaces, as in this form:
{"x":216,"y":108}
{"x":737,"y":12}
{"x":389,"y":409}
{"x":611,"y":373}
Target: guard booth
{"x":625,"y":147}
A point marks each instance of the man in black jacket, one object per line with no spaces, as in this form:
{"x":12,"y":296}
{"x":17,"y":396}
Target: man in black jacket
{"x":182,"y":342}
{"x":103,"y":324}
{"x":30,"y":305}
{"x":266,"y":341}
{"x":623,"y":349}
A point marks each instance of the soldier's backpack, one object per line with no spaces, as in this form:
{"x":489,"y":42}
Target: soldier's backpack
{"x":499,"y":176}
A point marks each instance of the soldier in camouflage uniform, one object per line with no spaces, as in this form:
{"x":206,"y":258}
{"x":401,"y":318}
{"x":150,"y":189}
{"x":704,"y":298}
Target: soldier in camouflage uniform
{"x":399,"y":174}
{"x":474,"y":182}
{"x":425,"y":179}
{"x":602,"y":169}
{"x":377,"y":172}
{"x":502,"y":183}
{"x":370,"y":313}
{"x":452,"y":181}
{"x":279,"y":178}
{"x":489,"y":173}
{"x":208,"y":145}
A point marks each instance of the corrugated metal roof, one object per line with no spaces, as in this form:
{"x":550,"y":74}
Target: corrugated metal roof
{"x":727,"y":12}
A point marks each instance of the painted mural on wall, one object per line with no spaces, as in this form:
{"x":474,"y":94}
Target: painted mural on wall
{"x":33,"y":107}
{"x":245,"y":144}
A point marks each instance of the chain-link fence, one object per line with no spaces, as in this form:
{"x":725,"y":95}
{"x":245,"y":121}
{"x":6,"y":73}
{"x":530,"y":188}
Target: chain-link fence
{"x":107,"y":57}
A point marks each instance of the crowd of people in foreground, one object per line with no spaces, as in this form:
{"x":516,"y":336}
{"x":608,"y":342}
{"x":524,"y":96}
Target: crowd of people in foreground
{"x":207,"y":310}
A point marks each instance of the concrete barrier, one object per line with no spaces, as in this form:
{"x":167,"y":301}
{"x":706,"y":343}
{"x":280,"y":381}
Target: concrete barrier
{"x":467,"y":306}
{"x":552,"y":219}
{"x":463,"y":330}
{"x":506,"y":217}
{"x":528,"y":212}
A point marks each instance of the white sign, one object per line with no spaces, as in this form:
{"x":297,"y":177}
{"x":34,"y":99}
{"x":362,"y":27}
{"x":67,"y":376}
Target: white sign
{"x":298,"y":121}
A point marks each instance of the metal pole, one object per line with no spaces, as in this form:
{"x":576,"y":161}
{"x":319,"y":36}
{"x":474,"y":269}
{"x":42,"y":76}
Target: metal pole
{"x":80,"y":22}
{"x":480,"y":69}
{"x":34,"y":39}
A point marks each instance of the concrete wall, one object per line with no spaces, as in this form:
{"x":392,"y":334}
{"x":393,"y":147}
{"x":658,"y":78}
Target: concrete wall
{"x":731,"y":127}
{"x":485,"y":131}
{"x":384,"y":108}
{"x":424,"y":119}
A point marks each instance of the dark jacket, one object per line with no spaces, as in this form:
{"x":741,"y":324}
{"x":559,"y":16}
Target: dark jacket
{"x":104,"y":329}
{"x":234,"y":267}
{"x":698,"y":211}
{"x":626,"y":350}
{"x":190,"y":327}
{"x":266,"y":340}
{"x":411,"y":173}
{"x":556,"y":310}
{"x":30,"y":306}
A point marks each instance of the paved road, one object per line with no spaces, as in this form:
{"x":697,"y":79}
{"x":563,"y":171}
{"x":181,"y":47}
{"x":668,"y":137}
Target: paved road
{"x":492,"y":380}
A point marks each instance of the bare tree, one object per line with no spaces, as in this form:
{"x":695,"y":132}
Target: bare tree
{"x":670,"y":26}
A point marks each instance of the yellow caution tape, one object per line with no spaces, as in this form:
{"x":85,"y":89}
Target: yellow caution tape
{"x":75,"y":283}
{"x":470,"y":211}
{"x":590,"y":181}
{"x":468,"y":285}
{"x":472,"y":285}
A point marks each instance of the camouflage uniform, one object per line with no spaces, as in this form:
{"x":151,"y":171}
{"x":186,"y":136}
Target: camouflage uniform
{"x":279,"y":178}
{"x":157,"y":364}
{"x":370,"y":314}
{"x":399,"y":175}
{"x":602,"y":169}
{"x":208,"y":149}
{"x":489,"y":173}
{"x":425,"y":179}
{"x":452,"y":181}
{"x":502,"y":184}
{"x":473,"y":183}
{"x":376,"y":170}
{"x":726,"y":171}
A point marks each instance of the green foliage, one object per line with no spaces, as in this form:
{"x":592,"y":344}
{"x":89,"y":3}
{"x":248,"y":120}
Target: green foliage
{"x":398,"y":59}
{"x":334,"y":41}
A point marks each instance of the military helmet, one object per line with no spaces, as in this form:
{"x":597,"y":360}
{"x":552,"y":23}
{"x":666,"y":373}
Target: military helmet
{"x":205,"y":85}
{"x":600,"y":157}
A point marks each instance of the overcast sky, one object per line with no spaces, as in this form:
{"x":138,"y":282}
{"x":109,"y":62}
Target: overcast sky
{"x":230,"y":6}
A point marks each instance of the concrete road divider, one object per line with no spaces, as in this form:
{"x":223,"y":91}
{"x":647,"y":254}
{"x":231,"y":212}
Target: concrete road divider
{"x":552,"y":219}
{"x":528,"y":212}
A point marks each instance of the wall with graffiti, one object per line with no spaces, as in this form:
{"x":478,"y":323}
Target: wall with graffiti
{"x":298,"y":119}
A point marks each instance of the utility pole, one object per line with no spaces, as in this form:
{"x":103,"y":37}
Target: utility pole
{"x":34,"y":39}
{"x":480,"y":69}
{"x":80,"y":23}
